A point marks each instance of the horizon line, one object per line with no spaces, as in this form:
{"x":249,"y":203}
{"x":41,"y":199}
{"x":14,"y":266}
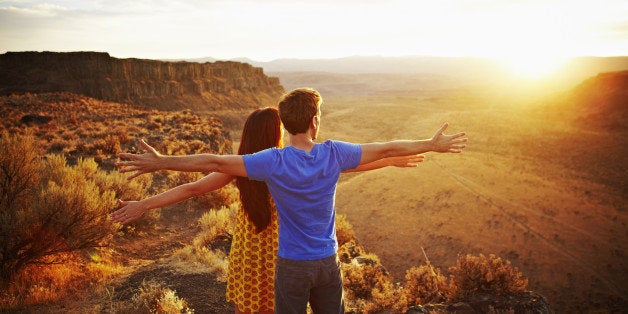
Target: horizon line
{"x":307,"y":58}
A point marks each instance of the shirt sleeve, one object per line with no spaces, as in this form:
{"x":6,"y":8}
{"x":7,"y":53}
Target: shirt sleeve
{"x":259,"y":165}
{"x":347,"y":154}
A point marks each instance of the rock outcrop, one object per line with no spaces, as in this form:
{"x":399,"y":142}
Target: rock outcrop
{"x":146,"y":83}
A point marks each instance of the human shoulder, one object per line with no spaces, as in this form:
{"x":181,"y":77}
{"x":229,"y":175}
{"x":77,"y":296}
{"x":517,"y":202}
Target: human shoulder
{"x":331,"y":142}
{"x":271,"y":150}
{"x":262,"y":155}
{"x":341,"y":144}
{"x":260,"y":164}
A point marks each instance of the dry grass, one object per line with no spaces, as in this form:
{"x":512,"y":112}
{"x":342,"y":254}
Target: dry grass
{"x":207,"y":253}
{"x":78,"y":277}
{"x":154,"y":297}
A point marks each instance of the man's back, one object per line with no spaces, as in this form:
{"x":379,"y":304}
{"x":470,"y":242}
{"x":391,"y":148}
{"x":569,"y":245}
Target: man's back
{"x":303,"y":185}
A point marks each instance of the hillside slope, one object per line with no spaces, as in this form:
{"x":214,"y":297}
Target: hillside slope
{"x":545,"y":192}
{"x":601,"y":101}
{"x":78,"y":127}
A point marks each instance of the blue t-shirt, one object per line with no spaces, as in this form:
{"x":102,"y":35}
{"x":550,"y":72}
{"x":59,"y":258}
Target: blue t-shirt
{"x":303,"y":186}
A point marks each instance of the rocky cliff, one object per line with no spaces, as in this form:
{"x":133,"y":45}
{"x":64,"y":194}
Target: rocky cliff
{"x":147,"y":83}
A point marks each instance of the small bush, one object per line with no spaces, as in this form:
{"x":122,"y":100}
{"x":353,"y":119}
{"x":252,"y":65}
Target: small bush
{"x":182,"y":177}
{"x":110,"y":145}
{"x":214,"y":224}
{"x":192,"y":259}
{"x":229,"y":194}
{"x":481,"y":274}
{"x":344,"y":230}
{"x":368,"y":286}
{"x":349,"y":250}
{"x":424,"y":284}
{"x":153,"y":297}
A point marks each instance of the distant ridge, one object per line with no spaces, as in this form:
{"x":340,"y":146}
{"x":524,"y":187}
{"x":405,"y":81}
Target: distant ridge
{"x":472,"y":69}
{"x":601,"y":101}
{"x":147,"y":83}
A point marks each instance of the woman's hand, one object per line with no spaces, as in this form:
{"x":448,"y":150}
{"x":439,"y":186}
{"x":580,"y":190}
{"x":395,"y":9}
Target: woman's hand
{"x":150,"y":161}
{"x":405,"y":161}
{"x":130,"y":211}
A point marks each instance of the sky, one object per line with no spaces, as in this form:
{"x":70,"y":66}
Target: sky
{"x":265,"y":30}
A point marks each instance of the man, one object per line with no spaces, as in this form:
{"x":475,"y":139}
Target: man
{"x":302,"y":179}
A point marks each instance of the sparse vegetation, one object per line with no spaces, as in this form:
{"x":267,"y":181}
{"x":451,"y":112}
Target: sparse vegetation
{"x":425,"y":284}
{"x":57,"y":191}
{"x":209,"y":249}
{"x":216,"y":224}
{"x":156,"y":297}
{"x":344,"y":230}
{"x":50,"y":212}
{"x":537,"y":184}
{"x":368,"y":286}
{"x":85,"y":127}
{"x":485,"y":274}
{"x":48,"y":208}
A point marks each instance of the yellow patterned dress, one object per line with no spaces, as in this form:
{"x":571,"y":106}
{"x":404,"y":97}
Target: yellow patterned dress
{"x":252,"y":265}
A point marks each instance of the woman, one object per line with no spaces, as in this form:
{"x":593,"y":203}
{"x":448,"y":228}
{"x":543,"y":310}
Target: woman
{"x":254,"y":244}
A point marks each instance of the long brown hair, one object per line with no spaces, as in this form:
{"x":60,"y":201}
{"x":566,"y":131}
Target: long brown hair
{"x":262,"y":130}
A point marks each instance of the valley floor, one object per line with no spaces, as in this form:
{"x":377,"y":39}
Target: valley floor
{"x":538,"y":192}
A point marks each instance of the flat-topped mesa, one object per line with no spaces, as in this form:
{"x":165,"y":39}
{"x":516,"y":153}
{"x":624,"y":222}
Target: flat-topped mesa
{"x":147,"y":83}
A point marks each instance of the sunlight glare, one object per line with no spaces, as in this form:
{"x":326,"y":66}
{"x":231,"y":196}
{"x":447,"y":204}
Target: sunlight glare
{"x":530,"y":51}
{"x":532,"y":66}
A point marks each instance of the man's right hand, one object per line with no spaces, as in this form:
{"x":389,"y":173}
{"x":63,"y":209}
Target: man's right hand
{"x":442,"y":143}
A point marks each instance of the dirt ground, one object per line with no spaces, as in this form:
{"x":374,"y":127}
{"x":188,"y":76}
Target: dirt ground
{"x":547,"y":197}
{"x":175,"y":229}
{"x":542,"y":194}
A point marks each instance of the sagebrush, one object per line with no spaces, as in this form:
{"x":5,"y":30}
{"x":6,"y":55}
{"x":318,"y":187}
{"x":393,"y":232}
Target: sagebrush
{"x":48,"y":208}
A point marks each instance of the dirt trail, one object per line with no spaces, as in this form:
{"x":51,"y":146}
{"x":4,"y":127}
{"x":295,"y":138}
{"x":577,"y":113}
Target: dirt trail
{"x":175,"y":229}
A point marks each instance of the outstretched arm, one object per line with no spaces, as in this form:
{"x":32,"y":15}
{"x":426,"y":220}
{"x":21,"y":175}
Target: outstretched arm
{"x":439,"y":143}
{"x":398,"y":161}
{"x":133,"y":210}
{"x":152,"y":161}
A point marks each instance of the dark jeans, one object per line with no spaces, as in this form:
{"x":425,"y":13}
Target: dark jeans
{"x":317,"y":281}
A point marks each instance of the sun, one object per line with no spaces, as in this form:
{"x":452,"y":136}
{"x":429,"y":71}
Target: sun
{"x":532,"y":66}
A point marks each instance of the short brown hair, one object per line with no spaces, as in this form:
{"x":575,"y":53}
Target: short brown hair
{"x":298,"y":107}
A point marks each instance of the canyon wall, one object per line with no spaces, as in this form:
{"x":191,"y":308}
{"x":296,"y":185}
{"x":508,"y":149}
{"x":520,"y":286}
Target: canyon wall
{"x":146,"y":83}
